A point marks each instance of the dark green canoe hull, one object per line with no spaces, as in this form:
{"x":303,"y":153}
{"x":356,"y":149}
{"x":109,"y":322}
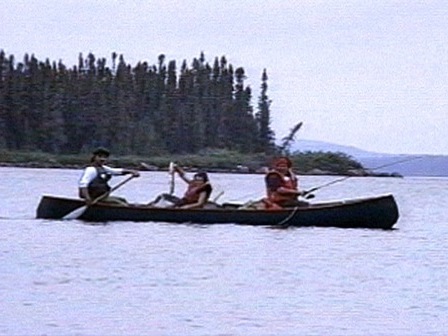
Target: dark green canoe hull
{"x":380,"y":212}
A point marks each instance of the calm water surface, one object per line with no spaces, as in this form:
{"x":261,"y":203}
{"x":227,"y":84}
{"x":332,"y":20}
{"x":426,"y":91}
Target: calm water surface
{"x":125,"y":278}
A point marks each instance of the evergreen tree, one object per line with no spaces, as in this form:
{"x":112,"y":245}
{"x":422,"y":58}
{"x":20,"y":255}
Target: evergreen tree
{"x":266,"y":135}
{"x":3,"y":105}
{"x":48,"y":107}
{"x":244,"y":130}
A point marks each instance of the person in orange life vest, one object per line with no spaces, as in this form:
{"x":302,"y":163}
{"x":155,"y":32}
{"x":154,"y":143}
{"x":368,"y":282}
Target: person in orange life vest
{"x":282,"y":186}
{"x":198,"y":191}
{"x":94,"y":180}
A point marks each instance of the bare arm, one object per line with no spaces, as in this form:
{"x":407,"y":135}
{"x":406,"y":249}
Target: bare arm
{"x":121,"y":171}
{"x":181,"y":174}
{"x":274,"y":183}
{"x":134,"y":173}
{"x":283,"y":190}
{"x":199,"y":204}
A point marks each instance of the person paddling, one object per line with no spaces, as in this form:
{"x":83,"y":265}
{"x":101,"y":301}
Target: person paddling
{"x":282,"y":187}
{"x":197,"y":194}
{"x":94,"y":180}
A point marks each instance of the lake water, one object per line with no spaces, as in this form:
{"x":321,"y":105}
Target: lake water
{"x":125,"y":278}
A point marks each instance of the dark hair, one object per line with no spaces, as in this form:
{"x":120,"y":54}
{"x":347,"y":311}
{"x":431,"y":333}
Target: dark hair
{"x":202,"y":175}
{"x":101,"y":151}
{"x":282,"y":160}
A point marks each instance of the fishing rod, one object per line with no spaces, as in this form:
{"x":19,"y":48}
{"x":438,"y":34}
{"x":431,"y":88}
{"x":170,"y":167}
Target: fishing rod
{"x":307,"y":193}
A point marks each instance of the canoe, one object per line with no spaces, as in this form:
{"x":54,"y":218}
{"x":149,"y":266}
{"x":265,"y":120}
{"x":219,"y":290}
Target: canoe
{"x":378,"y":212}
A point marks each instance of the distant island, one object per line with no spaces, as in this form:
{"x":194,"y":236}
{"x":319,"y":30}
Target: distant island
{"x":406,"y":164}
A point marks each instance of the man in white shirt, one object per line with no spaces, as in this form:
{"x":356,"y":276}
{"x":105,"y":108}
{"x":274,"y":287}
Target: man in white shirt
{"x":94,"y":180}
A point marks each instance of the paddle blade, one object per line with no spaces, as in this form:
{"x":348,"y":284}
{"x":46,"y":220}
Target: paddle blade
{"x":171,"y":168}
{"x":75,"y":213}
{"x":171,"y":174}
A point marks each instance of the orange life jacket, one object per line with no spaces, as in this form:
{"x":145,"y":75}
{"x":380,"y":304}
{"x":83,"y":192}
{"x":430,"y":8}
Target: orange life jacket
{"x":289,"y":182}
{"x":193,"y":192}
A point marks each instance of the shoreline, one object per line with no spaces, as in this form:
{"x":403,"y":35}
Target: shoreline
{"x":238,"y":170}
{"x":211,"y":161}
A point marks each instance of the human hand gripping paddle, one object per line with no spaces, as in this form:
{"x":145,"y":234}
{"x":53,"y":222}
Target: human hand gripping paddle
{"x":78,"y":212}
{"x":164,"y":196}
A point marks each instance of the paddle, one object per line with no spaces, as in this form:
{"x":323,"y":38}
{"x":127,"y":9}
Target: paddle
{"x":307,"y":193}
{"x":215,"y":199}
{"x":164,"y":196}
{"x":78,"y":212}
{"x":171,"y":172}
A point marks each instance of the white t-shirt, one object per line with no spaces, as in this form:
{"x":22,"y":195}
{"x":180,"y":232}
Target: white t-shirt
{"x":90,"y":173}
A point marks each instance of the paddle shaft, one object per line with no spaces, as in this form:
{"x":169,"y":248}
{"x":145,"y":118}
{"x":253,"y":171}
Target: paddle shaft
{"x":215,"y":199}
{"x":106,"y":194}
{"x":306,"y":192}
{"x":171,"y":172}
{"x":79,"y":211}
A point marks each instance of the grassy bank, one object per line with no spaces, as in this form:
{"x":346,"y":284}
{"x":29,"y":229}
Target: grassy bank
{"x":215,"y":160}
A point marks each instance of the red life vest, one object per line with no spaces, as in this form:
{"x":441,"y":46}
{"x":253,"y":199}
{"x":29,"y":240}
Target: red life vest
{"x":289,"y":182}
{"x":193,"y":193}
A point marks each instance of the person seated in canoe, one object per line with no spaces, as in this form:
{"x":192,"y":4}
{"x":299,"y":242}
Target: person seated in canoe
{"x":282,"y":186}
{"x":94,"y":180}
{"x":197,"y":194}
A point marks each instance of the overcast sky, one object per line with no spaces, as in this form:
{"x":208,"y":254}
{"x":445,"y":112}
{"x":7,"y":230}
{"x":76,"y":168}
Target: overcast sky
{"x":369,"y":74}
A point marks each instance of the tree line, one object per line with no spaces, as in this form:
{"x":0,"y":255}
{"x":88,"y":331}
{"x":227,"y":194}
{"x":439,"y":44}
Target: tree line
{"x":143,"y":109}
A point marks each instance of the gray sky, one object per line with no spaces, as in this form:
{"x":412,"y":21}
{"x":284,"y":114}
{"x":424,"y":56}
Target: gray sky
{"x":370,"y":74}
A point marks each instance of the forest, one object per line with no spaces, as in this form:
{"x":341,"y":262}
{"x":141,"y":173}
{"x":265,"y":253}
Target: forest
{"x":145,"y":109}
{"x":201,"y":114}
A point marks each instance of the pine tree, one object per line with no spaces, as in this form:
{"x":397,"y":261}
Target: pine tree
{"x":244,"y":130}
{"x":266,"y":135}
{"x":147,"y":109}
{"x":3,"y":105}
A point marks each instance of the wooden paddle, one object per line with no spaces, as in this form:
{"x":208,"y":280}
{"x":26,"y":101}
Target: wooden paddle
{"x":215,"y":199}
{"x":78,"y":212}
{"x":307,"y":193}
{"x":171,"y":172}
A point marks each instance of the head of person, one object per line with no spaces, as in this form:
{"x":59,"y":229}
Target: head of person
{"x":200,"y":177}
{"x":100,"y":155}
{"x":282,"y":164}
